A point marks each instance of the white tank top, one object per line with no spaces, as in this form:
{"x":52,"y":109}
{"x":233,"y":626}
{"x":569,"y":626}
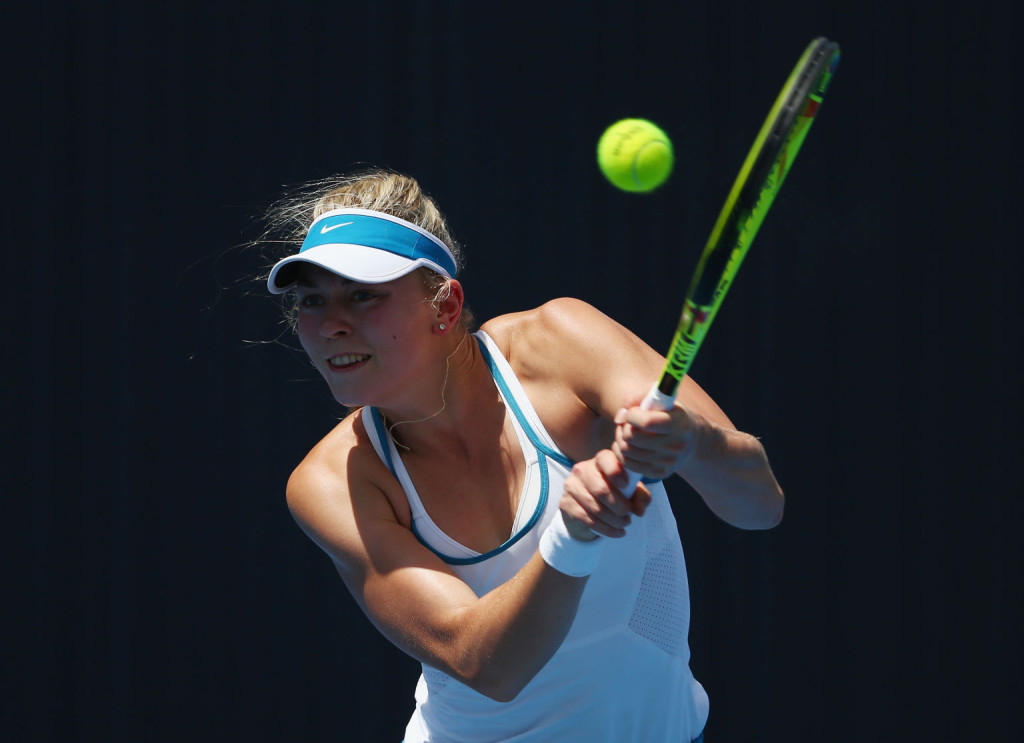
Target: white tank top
{"x":622,"y":673}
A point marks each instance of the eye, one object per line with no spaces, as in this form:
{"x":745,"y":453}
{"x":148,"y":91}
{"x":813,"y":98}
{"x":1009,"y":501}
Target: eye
{"x":362,"y":295}
{"x":310,"y":300}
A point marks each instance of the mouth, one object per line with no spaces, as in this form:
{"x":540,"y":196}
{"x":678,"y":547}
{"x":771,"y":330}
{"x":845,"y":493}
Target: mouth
{"x":345,"y":361}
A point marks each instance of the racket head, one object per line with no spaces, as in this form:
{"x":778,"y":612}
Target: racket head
{"x":752,"y":194}
{"x":766,"y":165}
{"x":787,"y":124}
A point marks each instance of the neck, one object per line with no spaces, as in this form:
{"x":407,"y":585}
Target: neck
{"x":464,"y":382}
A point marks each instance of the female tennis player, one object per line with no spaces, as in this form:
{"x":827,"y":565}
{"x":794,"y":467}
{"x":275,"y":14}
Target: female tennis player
{"x":471,"y":501}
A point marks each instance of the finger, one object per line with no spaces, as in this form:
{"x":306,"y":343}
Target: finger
{"x":596,"y":495}
{"x":641,"y":500}
{"x":612,"y":509}
{"x":597,"y":518}
{"x":593,"y":496}
{"x":646,"y":451}
{"x":656,"y":467}
{"x":612,"y":472}
{"x":610,"y":524}
{"x":646,"y":421}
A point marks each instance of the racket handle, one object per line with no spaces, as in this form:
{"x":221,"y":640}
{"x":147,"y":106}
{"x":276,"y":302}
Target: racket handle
{"x":655,"y":400}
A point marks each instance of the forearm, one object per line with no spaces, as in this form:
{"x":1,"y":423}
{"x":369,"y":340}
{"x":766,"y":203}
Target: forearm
{"x":503,"y":639}
{"x":730,"y":471}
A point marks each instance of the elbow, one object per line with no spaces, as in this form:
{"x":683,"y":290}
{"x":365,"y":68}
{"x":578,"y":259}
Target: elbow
{"x":779,"y":507}
{"x":502,"y":682}
{"x":773,"y":508}
{"x":761,"y":514}
{"x":501,"y":664}
{"x":774,"y":517}
{"x":503,"y":695}
{"x":501,"y":687}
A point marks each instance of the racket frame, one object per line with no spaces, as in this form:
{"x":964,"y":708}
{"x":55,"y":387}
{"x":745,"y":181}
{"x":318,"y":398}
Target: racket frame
{"x":753,"y":192}
{"x":765,"y":168}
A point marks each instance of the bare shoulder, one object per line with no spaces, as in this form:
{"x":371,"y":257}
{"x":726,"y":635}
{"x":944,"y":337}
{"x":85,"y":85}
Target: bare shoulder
{"x":539,"y":341}
{"x":346,"y":500}
{"x":577,"y":366}
{"x":340,"y":482}
{"x":567,"y":350}
{"x":569,"y":341}
{"x":324,"y":469}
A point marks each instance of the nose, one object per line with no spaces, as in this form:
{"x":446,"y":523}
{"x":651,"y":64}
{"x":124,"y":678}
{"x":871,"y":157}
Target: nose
{"x":334,"y":324}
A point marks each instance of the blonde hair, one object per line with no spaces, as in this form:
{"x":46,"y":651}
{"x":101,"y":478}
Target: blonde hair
{"x":385,"y":191}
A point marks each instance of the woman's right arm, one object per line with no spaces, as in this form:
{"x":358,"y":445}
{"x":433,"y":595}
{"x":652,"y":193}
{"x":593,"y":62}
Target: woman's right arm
{"x":494,"y":644}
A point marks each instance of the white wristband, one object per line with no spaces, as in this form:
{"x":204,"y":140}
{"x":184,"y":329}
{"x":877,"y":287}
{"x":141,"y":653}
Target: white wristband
{"x":565,"y":553}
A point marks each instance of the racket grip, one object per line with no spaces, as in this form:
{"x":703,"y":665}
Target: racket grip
{"x":655,"y":400}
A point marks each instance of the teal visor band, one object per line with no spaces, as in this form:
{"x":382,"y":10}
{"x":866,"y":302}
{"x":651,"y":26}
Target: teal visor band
{"x":364,"y":246}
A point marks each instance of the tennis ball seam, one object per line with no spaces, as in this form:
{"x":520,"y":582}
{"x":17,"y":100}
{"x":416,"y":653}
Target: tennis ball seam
{"x":636,"y":160}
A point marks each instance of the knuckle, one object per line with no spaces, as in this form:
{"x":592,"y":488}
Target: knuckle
{"x":585,"y":471}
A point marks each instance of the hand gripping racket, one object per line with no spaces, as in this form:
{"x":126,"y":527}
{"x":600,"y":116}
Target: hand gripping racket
{"x":748,"y":202}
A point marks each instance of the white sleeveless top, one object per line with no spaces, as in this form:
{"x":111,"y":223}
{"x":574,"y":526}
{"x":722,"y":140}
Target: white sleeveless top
{"x":622,"y":674}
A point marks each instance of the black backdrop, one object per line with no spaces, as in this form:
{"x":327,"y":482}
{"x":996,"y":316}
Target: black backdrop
{"x":153,"y":406}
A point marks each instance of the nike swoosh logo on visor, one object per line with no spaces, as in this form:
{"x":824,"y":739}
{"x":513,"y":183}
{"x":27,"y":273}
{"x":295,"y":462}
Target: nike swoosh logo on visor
{"x":327,"y":228}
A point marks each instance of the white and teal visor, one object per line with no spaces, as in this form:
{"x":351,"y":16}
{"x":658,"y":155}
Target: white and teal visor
{"x":365,"y":246}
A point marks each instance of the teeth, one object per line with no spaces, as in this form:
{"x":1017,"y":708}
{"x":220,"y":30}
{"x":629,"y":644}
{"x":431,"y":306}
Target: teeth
{"x":347,"y":358}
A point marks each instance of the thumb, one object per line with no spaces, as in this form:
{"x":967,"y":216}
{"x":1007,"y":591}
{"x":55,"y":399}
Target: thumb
{"x":610,"y":465}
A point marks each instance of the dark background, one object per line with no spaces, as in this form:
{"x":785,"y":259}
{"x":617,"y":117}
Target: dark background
{"x":153,"y":405}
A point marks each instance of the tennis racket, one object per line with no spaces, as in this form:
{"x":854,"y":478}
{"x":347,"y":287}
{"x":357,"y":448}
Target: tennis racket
{"x":759,"y":180}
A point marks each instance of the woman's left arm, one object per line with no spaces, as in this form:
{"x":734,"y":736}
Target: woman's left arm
{"x":728,"y":468}
{"x":574,"y":347}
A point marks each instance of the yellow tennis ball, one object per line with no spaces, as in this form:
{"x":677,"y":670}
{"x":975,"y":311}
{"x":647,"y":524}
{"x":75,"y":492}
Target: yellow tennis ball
{"x":635,"y":155}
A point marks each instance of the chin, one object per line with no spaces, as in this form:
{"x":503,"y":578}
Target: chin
{"x":349,"y":399}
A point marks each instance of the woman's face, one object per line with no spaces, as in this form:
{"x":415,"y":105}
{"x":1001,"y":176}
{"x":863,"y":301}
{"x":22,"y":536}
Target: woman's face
{"x":369,"y":341}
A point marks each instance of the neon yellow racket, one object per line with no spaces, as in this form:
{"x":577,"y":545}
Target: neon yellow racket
{"x":748,"y":202}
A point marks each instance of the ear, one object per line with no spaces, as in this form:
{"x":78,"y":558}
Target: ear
{"x":449,"y":309}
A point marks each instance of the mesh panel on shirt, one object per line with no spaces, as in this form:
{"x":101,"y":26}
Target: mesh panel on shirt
{"x":661,"y":612}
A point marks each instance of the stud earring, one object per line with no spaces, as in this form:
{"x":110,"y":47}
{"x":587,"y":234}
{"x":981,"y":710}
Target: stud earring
{"x":441,"y":326}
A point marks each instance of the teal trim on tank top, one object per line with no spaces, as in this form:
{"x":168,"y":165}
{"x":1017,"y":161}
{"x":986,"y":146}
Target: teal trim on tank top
{"x":543,"y":454}
{"x":510,"y":398}
{"x":534,"y":439}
